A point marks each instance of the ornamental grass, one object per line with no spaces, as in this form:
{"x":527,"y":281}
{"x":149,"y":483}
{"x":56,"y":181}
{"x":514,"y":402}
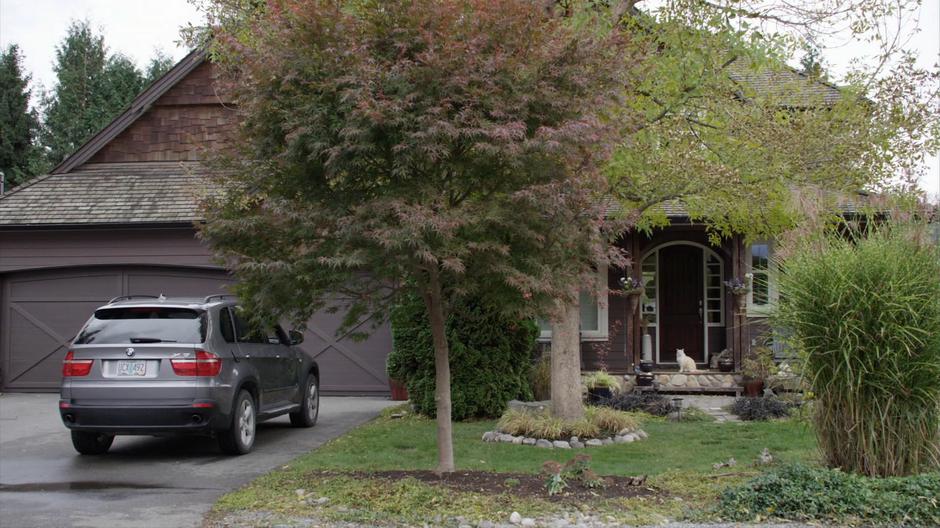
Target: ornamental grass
{"x":864,"y":312}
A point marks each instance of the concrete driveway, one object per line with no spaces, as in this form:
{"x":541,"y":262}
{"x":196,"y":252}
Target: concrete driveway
{"x":142,"y":481}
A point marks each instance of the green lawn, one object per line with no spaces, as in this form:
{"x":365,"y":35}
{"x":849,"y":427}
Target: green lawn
{"x":677,"y":456}
{"x":409,"y":443}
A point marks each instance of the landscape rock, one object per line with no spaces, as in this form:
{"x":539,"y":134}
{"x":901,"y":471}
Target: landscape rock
{"x":518,"y":440}
{"x":528,"y":441}
{"x":594,"y":442}
{"x":515,"y":518}
{"x":576,"y":444}
{"x":625,"y":432}
{"x":618,"y":439}
{"x":528,"y":521}
{"x":607,"y":441}
{"x":561,"y":444}
{"x":642,"y":434}
{"x":506,"y":438}
{"x":543,"y":443}
{"x":490,"y":436}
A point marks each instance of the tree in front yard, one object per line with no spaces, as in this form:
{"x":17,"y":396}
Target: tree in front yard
{"x":425,"y":147}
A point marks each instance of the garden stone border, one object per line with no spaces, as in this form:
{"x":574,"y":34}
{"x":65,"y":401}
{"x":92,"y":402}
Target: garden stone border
{"x":623,"y":437}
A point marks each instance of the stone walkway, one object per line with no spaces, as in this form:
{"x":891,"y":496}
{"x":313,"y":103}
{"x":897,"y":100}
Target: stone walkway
{"x":712,"y":405}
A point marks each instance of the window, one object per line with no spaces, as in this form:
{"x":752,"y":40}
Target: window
{"x":593,"y":313}
{"x":144,"y":324}
{"x":225,"y":325}
{"x":249,"y":334}
{"x":763,"y":289}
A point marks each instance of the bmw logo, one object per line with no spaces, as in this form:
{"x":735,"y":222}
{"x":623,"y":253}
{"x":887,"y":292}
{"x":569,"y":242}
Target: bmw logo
{"x":129,"y":352}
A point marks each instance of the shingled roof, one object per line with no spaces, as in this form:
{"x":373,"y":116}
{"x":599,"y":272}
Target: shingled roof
{"x":790,"y":87}
{"x":109,"y":193}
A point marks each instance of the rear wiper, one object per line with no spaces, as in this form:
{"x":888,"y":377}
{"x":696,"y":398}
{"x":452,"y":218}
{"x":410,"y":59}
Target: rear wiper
{"x":150,"y":340}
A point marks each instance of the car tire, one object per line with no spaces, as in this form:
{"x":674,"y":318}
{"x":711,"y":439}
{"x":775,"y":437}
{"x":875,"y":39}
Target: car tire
{"x":309,"y":410}
{"x":87,"y":443}
{"x":239,"y":438}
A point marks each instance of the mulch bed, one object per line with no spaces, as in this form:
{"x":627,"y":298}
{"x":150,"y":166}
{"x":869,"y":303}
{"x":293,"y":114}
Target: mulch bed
{"x":519,"y":484}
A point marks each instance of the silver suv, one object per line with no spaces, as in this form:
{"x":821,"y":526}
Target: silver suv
{"x":145,"y":365}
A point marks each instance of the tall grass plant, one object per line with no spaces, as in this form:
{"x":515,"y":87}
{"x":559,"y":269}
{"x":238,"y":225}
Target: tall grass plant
{"x":864,"y":311}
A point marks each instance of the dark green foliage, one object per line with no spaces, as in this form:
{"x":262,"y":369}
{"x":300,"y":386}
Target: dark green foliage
{"x":78,"y":105}
{"x":803,"y":493}
{"x":648,"y":402}
{"x":864,"y":311}
{"x":159,"y":64}
{"x":91,"y":89}
{"x":17,"y":122}
{"x":490,"y":358}
{"x":762,"y":408}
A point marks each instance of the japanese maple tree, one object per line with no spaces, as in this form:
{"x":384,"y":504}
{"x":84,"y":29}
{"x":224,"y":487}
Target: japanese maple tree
{"x":443,"y":147}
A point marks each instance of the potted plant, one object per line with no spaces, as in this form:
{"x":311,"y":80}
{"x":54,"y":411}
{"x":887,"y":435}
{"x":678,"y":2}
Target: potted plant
{"x":600,"y":385}
{"x":756,"y":368}
{"x":739,"y":288}
{"x":724,"y":362}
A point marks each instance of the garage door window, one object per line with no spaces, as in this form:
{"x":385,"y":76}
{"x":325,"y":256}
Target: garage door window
{"x":144,"y":325}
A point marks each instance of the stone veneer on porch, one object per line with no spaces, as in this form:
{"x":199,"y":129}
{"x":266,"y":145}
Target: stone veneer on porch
{"x":712,"y":380}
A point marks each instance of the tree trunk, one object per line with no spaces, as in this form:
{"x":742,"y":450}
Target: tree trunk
{"x":445,"y":442}
{"x":566,"y":361}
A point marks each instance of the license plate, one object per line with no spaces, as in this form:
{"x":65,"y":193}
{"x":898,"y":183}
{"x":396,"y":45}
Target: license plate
{"x":132,"y":368}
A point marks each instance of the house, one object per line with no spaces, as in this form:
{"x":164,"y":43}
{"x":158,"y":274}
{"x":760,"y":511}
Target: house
{"x":117,"y":218}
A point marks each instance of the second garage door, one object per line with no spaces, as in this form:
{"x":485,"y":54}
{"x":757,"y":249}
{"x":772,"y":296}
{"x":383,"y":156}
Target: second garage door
{"x":41,"y":311}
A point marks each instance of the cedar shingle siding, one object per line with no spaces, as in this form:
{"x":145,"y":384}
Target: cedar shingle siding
{"x":182,"y":124}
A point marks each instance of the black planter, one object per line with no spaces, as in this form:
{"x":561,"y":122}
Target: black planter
{"x":646,"y":366}
{"x":599,"y":394}
{"x":644,"y":379}
{"x":726,"y":365}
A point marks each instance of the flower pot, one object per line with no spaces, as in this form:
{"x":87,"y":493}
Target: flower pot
{"x":726,"y":365}
{"x":599,"y":394}
{"x":399,"y":390}
{"x":644,"y":379}
{"x":646,"y":366}
{"x":753,"y":388}
{"x":740,"y":302}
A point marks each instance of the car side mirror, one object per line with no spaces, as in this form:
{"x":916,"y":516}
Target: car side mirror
{"x":295,"y":337}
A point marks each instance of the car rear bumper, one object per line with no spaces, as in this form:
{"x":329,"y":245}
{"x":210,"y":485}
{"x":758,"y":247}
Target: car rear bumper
{"x":140,"y":420}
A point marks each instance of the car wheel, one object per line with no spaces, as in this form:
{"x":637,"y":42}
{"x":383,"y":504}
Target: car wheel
{"x":309,"y":410}
{"x":91,"y":443}
{"x":239,"y":438}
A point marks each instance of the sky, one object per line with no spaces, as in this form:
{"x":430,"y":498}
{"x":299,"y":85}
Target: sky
{"x":138,"y":28}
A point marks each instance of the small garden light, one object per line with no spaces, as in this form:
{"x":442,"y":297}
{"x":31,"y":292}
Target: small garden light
{"x":677,"y":405}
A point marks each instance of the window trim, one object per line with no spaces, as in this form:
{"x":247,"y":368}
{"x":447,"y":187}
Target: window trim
{"x":603,"y":313}
{"x":756,"y":310}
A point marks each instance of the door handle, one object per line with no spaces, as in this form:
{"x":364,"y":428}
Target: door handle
{"x":700,"y":314}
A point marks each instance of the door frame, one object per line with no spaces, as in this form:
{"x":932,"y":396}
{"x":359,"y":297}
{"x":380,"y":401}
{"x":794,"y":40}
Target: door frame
{"x":706,"y":325}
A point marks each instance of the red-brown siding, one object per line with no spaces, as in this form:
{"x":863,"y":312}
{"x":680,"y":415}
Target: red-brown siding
{"x":182,"y":125}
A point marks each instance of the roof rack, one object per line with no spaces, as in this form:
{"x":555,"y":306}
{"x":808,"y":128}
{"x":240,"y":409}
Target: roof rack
{"x":129,"y":297}
{"x":219,"y":296}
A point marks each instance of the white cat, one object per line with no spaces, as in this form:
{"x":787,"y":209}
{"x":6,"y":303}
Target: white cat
{"x":686,"y":364}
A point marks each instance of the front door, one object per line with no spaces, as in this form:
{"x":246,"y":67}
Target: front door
{"x":681,"y":310}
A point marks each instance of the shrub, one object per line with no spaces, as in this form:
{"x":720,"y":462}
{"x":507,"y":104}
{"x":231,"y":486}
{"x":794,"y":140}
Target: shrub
{"x":803,"y":493}
{"x":648,"y":402}
{"x":865,"y":314}
{"x":490,"y":358}
{"x":517,"y":423}
{"x":760,"y":409}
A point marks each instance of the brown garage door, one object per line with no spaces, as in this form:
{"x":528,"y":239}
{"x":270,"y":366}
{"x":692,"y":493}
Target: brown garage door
{"x":41,"y":311}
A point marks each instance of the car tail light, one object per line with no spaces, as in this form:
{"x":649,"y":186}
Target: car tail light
{"x":205,"y":364}
{"x":75,"y":367}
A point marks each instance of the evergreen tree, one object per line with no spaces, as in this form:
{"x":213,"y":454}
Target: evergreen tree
{"x":160,"y":63}
{"x":17,"y":122}
{"x":91,"y":89}
{"x":123,"y":81}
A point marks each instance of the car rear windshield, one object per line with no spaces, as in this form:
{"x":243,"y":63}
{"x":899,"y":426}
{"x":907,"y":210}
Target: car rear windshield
{"x":144,"y":324}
